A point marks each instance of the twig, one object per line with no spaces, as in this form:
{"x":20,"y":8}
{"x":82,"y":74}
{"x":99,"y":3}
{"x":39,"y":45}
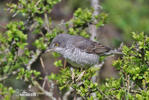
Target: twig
{"x":65,"y":97}
{"x":14,"y":14}
{"x":46,"y":22}
{"x":104,"y":94}
{"x":37,"y":2}
{"x":34,"y":58}
{"x":8,"y":75}
{"x":49,"y":94}
{"x":45,"y":79}
{"x":73,"y":74}
{"x":128,"y":83}
{"x":42,"y":64}
{"x":80,"y":76}
{"x":65,"y":63}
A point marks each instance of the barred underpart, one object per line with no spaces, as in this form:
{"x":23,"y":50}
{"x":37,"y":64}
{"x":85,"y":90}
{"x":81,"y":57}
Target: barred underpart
{"x":78,"y":58}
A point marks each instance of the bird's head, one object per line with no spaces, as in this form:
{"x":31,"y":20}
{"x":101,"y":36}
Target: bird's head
{"x":58,"y":42}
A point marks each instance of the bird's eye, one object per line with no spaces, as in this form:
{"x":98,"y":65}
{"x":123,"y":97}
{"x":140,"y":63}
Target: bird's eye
{"x":56,"y":44}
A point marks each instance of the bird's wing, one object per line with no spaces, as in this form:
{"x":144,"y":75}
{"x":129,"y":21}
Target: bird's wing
{"x":89,"y":46}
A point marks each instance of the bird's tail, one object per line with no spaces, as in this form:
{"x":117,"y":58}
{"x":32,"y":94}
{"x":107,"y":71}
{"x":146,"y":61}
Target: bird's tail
{"x":115,"y":51}
{"x":111,"y":52}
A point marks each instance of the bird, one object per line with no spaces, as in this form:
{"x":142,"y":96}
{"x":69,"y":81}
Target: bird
{"x":77,"y":50}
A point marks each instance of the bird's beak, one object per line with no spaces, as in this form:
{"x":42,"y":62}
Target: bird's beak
{"x":49,"y":50}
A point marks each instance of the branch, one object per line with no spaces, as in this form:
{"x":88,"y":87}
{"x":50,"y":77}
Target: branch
{"x":95,"y":4}
{"x":45,"y":78}
{"x":65,"y":97}
{"x":46,"y":23}
{"x":108,"y":98}
{"x":34,"y":58}
{"x":8,"y":75}
{"x":47,"y":93}
{"x":92,"y":28}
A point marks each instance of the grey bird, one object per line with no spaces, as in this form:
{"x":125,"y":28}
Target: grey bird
{"x":77,"y":50}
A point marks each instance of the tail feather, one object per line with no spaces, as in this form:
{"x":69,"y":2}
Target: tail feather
{"x":111,"y":52}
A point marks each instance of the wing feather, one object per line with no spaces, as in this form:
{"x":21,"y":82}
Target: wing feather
{"x":88,"y":46}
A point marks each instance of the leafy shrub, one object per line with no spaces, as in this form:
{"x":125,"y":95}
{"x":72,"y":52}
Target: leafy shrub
{"x":133,"y":82}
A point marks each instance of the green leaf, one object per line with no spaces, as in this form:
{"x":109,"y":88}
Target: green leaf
{"x":58,"y":63}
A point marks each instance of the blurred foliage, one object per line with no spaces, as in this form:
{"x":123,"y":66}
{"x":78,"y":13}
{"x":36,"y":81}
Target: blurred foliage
{"x":75,"y":4}
{"x":128,"y":15}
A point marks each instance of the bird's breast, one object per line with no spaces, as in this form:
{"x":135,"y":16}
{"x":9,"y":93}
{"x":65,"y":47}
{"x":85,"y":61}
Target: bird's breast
{"x":77,"y":56}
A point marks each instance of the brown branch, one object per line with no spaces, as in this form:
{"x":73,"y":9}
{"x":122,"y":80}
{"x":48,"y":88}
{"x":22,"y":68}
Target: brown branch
{"x":47,"y":23}
{"x":47,"y":93}
{"x":45,"y":78}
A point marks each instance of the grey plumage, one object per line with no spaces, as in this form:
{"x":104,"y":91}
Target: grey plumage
{"x":77,"y":50}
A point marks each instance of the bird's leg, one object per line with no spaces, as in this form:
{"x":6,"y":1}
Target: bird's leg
{"x":65,"y":63}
